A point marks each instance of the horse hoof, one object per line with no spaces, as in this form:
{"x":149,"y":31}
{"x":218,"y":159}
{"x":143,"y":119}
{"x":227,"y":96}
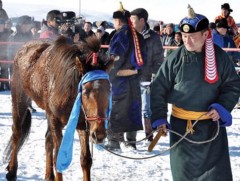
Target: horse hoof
{"x":11,"y":177}
{"x":51,"y":178}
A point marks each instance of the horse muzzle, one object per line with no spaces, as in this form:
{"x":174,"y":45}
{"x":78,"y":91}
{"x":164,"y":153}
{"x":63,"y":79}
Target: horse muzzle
{"x":97,"y":129}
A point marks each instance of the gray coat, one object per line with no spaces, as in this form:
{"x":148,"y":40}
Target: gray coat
{"x":155,"y":55}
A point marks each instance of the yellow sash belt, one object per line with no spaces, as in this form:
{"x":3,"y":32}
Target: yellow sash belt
{"x":189,"y":116}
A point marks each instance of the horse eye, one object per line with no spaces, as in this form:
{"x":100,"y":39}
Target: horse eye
{"x":85,"y":92}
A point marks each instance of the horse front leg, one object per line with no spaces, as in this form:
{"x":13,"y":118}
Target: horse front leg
{"x":53,"y":141}
{"x":85,"y":157}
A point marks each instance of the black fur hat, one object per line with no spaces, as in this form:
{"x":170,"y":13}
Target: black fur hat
{"x":222,"y":23}
{"x":121,"y":13}
{"x":226,"y":6}
{"x":25,"y":20}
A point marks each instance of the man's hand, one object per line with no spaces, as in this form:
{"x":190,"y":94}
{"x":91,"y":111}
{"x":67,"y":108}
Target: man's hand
{"x":162,"y":131}
{"x":76,"y":38}
{"x":213,"y":114}
{"x":163,"y":128}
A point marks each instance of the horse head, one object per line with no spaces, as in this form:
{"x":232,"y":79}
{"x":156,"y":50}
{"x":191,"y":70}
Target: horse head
{"x":96,"y":105}
{"x":95,"y":87}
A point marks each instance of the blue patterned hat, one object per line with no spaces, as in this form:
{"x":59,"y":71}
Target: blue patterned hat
{"x":193,"y":22}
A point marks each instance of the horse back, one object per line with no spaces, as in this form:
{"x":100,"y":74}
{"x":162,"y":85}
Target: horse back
{"x":29,"y":53}
{"x":29,"y":68}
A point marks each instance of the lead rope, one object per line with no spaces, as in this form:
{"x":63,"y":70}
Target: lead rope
{"x":183,"y":137}
{"x":91,"y":149}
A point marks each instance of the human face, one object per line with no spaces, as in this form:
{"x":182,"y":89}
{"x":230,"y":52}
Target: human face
{"x":116,"y":24}
{"x":34,"y":30}
{"x":87,"y":27}
{"x":8,"y":25}
{"x":26,"y":27}
{"x":99,"y":35}
{"x":169,"y":30}
{"x":194,"y":41}
{"x":222,"y":31}
{"x":2,"y":26}
{"x":225,"y":12}
{"x":178,"y":37}
{"x":137,"y":23}
{"x":55,"y":22}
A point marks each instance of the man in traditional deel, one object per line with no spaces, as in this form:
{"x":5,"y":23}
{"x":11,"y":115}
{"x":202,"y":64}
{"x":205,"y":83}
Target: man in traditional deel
{"x":127,"y":47}
{"x":202,"y":85}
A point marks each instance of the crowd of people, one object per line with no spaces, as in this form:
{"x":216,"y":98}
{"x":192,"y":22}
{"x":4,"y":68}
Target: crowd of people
{"x":145,"y":78}
{"x":52,"y":27}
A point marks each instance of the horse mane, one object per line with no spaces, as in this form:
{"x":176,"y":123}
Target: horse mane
{"x":69,"y":62}
{"x":93,"y":45}
{"x":62,"y":58}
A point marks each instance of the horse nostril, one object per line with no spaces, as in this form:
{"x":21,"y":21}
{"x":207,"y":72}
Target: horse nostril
{"x":98,"y":137}
{"x":94,"y":137}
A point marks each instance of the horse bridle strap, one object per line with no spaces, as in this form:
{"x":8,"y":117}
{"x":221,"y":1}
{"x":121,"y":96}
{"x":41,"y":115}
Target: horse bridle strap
{"x":99,"y":119}
{"x":94,"y":57}
{"x":64,"y":156}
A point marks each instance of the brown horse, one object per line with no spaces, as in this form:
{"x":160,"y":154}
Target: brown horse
{"x":49,"y":73}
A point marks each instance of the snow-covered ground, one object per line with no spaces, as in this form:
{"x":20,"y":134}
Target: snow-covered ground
{"x":106,"y":166}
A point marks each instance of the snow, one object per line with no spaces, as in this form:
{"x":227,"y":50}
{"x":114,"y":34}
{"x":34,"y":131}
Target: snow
{"x":106,"y":166}
{"x":91,"y":9}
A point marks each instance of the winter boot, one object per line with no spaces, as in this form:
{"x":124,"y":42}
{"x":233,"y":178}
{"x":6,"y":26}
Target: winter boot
{"x":113,"y":140}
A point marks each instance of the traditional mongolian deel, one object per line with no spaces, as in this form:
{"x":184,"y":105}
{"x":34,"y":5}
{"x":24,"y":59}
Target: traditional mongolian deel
{"x":126,"y":90}
{"x":186,"y":69}
{"x":197,"y":83}
{"x":125,"y":46}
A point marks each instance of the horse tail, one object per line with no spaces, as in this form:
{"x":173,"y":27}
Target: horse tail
{"x":25,"y":127}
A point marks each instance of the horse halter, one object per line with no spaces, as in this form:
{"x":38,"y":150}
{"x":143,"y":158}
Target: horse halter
{"x":96,"y":75}
{"x":99,"y":120}
{"x":93,"y":56}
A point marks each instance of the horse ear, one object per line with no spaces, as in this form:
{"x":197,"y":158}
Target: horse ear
{"x":109,"y":64}
{"x":79,"y":66}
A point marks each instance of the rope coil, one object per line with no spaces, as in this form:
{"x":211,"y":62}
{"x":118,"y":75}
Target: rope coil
{"x":182,"y":137}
